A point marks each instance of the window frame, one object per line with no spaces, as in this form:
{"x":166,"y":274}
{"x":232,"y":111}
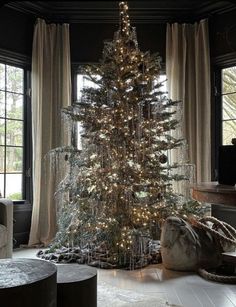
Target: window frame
{"x":23,"y":62}
{"x":218,"y":64}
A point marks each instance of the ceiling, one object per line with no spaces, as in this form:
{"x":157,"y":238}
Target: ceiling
{"x":156,"y":11}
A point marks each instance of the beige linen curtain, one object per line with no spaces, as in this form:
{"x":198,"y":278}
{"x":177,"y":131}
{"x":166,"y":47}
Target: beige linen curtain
{"x":51,"y":90}
{"x":188,"y":74}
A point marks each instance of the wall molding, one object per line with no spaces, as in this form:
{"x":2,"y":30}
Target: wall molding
{"x":14,"y":58}
{"x":141,"y":12}
{"x":224,"y":60}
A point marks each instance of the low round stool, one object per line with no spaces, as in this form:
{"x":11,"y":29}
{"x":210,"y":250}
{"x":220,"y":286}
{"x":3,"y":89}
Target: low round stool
{"x":76,"y":286}
{"x":27,"y":283}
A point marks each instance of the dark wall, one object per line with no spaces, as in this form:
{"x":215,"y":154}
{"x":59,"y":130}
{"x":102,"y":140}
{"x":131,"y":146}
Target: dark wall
{"x":222,"y":31}
{"x":87,"y":39}
{"x":16,"y":34}
{"x":16,"y":31}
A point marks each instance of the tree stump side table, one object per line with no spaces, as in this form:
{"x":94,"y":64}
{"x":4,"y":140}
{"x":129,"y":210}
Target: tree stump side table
{"x":27,"y":283}
{"x":76,"y":286}
{"x":217,"y":195}
{"x":214,"y":193}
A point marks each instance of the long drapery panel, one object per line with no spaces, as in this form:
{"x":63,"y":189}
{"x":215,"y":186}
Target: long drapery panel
{"x":188,"y":74}
{"x":51,"y":90}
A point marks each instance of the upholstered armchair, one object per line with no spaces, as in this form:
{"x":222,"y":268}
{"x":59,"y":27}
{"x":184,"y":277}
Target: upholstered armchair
{"x":6,"y":228}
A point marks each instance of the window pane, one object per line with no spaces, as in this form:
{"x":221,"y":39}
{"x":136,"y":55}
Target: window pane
{"x":2,"y":76}
{"x":229,"y":131}
{"x":2,"y":131}
{"x":14,"y":132}
{"x":14,"y":156}
{"x":83,"y":82}
{"x":2,"y":185}
{"x":15,"y":106}
{"x":14,"y":186}
{"x":229,"y":80}
{"x":162,"y":78}
{"x":2,"y":104}
{"x":229,"y":106}
{"x":2,"y":159}
{"x":14,"y":79}
{"x":11,"y":130}
{"x":79,"y":139}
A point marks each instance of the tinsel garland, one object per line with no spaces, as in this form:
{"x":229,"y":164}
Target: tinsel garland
{"x":119,"y":187}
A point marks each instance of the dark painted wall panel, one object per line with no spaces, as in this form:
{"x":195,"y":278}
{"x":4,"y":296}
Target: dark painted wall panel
{"x":222,"y":30}
{"x":16,"y":31}
{"x":87,"y":39}
{"x":16,"y":34}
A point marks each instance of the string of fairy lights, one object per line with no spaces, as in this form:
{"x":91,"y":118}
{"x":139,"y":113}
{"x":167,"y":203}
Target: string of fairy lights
{"x":120,"y":183}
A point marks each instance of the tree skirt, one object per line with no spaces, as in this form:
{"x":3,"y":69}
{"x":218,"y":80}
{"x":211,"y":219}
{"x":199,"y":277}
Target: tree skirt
{"x":99,"y":256}
{"x":112,"y":296}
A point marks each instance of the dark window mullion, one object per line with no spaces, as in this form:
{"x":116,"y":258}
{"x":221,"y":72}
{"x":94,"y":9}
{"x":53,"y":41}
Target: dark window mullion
{"x":217,"y":138}
{"x":12,"y":92}
{"x":17,"y":146}
{"x":14,"y":173}
{"x":219,"y":106}
{"x":15,"y":119}
{"x":228,"y":93}
{"x":228,"y":120}
{"x":27,"y":149}
{"x":24,"y":189}
{"x":5,"y":136}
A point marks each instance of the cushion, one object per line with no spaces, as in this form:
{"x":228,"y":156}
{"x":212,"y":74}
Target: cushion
{"x":187,"y":248}
{"x":3,"y":235}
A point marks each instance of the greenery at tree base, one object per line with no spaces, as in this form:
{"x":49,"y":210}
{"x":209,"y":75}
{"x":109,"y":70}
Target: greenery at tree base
{"x":119,"y":187}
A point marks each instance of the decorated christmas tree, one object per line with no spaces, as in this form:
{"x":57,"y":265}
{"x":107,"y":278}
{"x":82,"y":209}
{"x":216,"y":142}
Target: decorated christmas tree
{"x":119,"y":187}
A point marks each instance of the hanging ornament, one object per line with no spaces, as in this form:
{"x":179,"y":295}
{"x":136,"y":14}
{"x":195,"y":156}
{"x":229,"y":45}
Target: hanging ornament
{"x":142,"y":67}
{"x":163,"y":159}
{"x":131,"y":44}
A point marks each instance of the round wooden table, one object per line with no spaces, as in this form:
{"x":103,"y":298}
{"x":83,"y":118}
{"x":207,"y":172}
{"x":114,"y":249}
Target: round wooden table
{"x":27,"y":283}
{"x":76,"y":285}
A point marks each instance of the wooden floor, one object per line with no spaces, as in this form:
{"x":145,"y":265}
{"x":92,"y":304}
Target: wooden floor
{"x":173,"y":288}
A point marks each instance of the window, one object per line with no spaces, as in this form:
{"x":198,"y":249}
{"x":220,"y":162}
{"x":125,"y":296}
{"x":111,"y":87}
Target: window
{"x":81,"y":82}
{"x":13,"y":149}
{"x":228,"y":100}
{"x":223,"y":107}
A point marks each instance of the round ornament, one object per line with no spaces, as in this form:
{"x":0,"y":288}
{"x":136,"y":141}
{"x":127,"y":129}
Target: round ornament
{"x":163,"y":159}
